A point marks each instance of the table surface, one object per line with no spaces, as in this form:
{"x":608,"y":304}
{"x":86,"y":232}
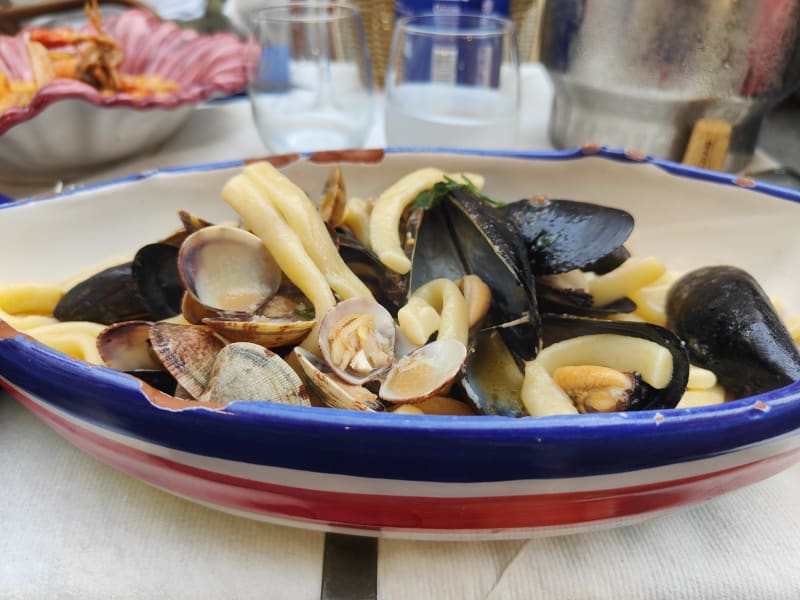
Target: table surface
{"x":72,"y":527}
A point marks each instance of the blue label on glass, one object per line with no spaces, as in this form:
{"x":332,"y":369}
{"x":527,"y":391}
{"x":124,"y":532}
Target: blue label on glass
{"x":405,"y":8}
{"x":473,"y":62}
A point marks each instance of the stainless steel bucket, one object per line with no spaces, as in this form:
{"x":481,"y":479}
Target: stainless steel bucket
{"x":639,"y":74}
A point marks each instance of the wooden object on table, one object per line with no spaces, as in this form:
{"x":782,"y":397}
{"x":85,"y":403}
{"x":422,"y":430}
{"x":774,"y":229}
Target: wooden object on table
{"x":12,"y":18}
{"x":708,"y":144}
{"x":378,"y":18}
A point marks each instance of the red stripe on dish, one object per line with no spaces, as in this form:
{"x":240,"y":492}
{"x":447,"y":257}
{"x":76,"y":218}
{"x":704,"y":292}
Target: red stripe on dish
{"x":372,"y":511}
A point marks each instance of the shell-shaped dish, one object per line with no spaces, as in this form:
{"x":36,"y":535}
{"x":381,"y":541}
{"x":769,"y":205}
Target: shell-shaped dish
{"x":62,"y":131}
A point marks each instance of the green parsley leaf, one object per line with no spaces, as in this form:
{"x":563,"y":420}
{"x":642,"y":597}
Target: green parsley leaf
{"x":430,"y":198}
{"x":305,"y":313}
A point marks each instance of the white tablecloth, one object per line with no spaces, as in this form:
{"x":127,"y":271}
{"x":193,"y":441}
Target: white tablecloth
{"x":73,"y":528}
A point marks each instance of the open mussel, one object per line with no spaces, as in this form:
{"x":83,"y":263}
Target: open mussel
{"x":564,"y":239}
{"x":585,"y":365}
{"x":731,"y":328}
{"x":466,"y":235}
{"x":652,"y":359}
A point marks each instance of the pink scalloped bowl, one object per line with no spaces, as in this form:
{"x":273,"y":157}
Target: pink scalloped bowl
{"x":62,"y":131}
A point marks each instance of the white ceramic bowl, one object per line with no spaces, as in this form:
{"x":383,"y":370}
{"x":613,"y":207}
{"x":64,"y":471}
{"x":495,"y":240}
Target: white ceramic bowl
{"x":70,"y":127}
{"x":431,"y":477}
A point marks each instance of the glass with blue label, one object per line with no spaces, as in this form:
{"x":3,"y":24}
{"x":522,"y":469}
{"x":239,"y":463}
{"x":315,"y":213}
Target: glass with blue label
{"x":453,"y":82}
{"x":312,"y":88}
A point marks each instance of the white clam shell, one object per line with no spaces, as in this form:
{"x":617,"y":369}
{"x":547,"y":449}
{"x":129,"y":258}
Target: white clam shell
{"x":331,"y":390}
{"x":424,"y":372}
{"x":328,"y":333}
{"x":228,"y":269}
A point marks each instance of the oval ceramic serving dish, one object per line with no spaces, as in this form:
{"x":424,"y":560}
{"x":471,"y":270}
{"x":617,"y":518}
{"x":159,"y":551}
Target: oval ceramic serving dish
{"x":70,"y":127}
{"x":431,"y":477}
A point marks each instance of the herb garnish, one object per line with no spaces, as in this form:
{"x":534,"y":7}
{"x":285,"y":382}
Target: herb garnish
{"x":428,"y":199}
{"x":305,"y":313}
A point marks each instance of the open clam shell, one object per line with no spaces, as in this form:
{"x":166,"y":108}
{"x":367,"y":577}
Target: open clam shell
{"x":126,"y":346}
{"x":228,"y":269}
{"x":357,"y":340}
{"x":332,"y":390}
{"x":424,"y":372}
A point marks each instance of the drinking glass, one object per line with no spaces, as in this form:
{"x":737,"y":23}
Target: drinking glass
{"x":453,"y":81}
{"x":312,"y":87}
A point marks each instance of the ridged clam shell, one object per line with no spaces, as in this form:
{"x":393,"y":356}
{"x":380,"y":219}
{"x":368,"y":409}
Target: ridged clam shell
{"x":264,"y":331}
{"x":245,"y":371}
{"x":188,"y":352}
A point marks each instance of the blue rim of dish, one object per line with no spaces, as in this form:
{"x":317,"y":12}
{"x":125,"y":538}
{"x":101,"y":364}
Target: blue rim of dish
{"x":611,"y":442}
{"x":588,"y":150}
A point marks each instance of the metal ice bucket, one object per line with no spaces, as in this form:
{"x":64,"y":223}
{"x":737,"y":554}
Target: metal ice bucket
{"x":639,"y":74}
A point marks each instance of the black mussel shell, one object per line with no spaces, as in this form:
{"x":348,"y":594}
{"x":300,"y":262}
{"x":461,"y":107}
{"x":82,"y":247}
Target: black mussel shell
{"x":492,"y":381}
{"x":577,"y":302}
{"x":489,"y":246}
{"x":155,"y":270}
{"x":609,"y":262}
{"x":106,"y":297}
{"x":562,"y":235}
{"x":731,"y":328}
{"x":435,"y":252}
{"x":466,"y":235}
{"x":389,"y":288}
{"x":646,"y":397}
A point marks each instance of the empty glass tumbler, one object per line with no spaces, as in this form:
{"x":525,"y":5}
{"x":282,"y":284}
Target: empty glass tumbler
{"x":312,"y":87}
{"x":453,"y":81}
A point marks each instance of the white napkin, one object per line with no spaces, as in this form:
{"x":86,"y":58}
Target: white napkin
{"x":745,"y":544}
{"x":72,"y":528}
